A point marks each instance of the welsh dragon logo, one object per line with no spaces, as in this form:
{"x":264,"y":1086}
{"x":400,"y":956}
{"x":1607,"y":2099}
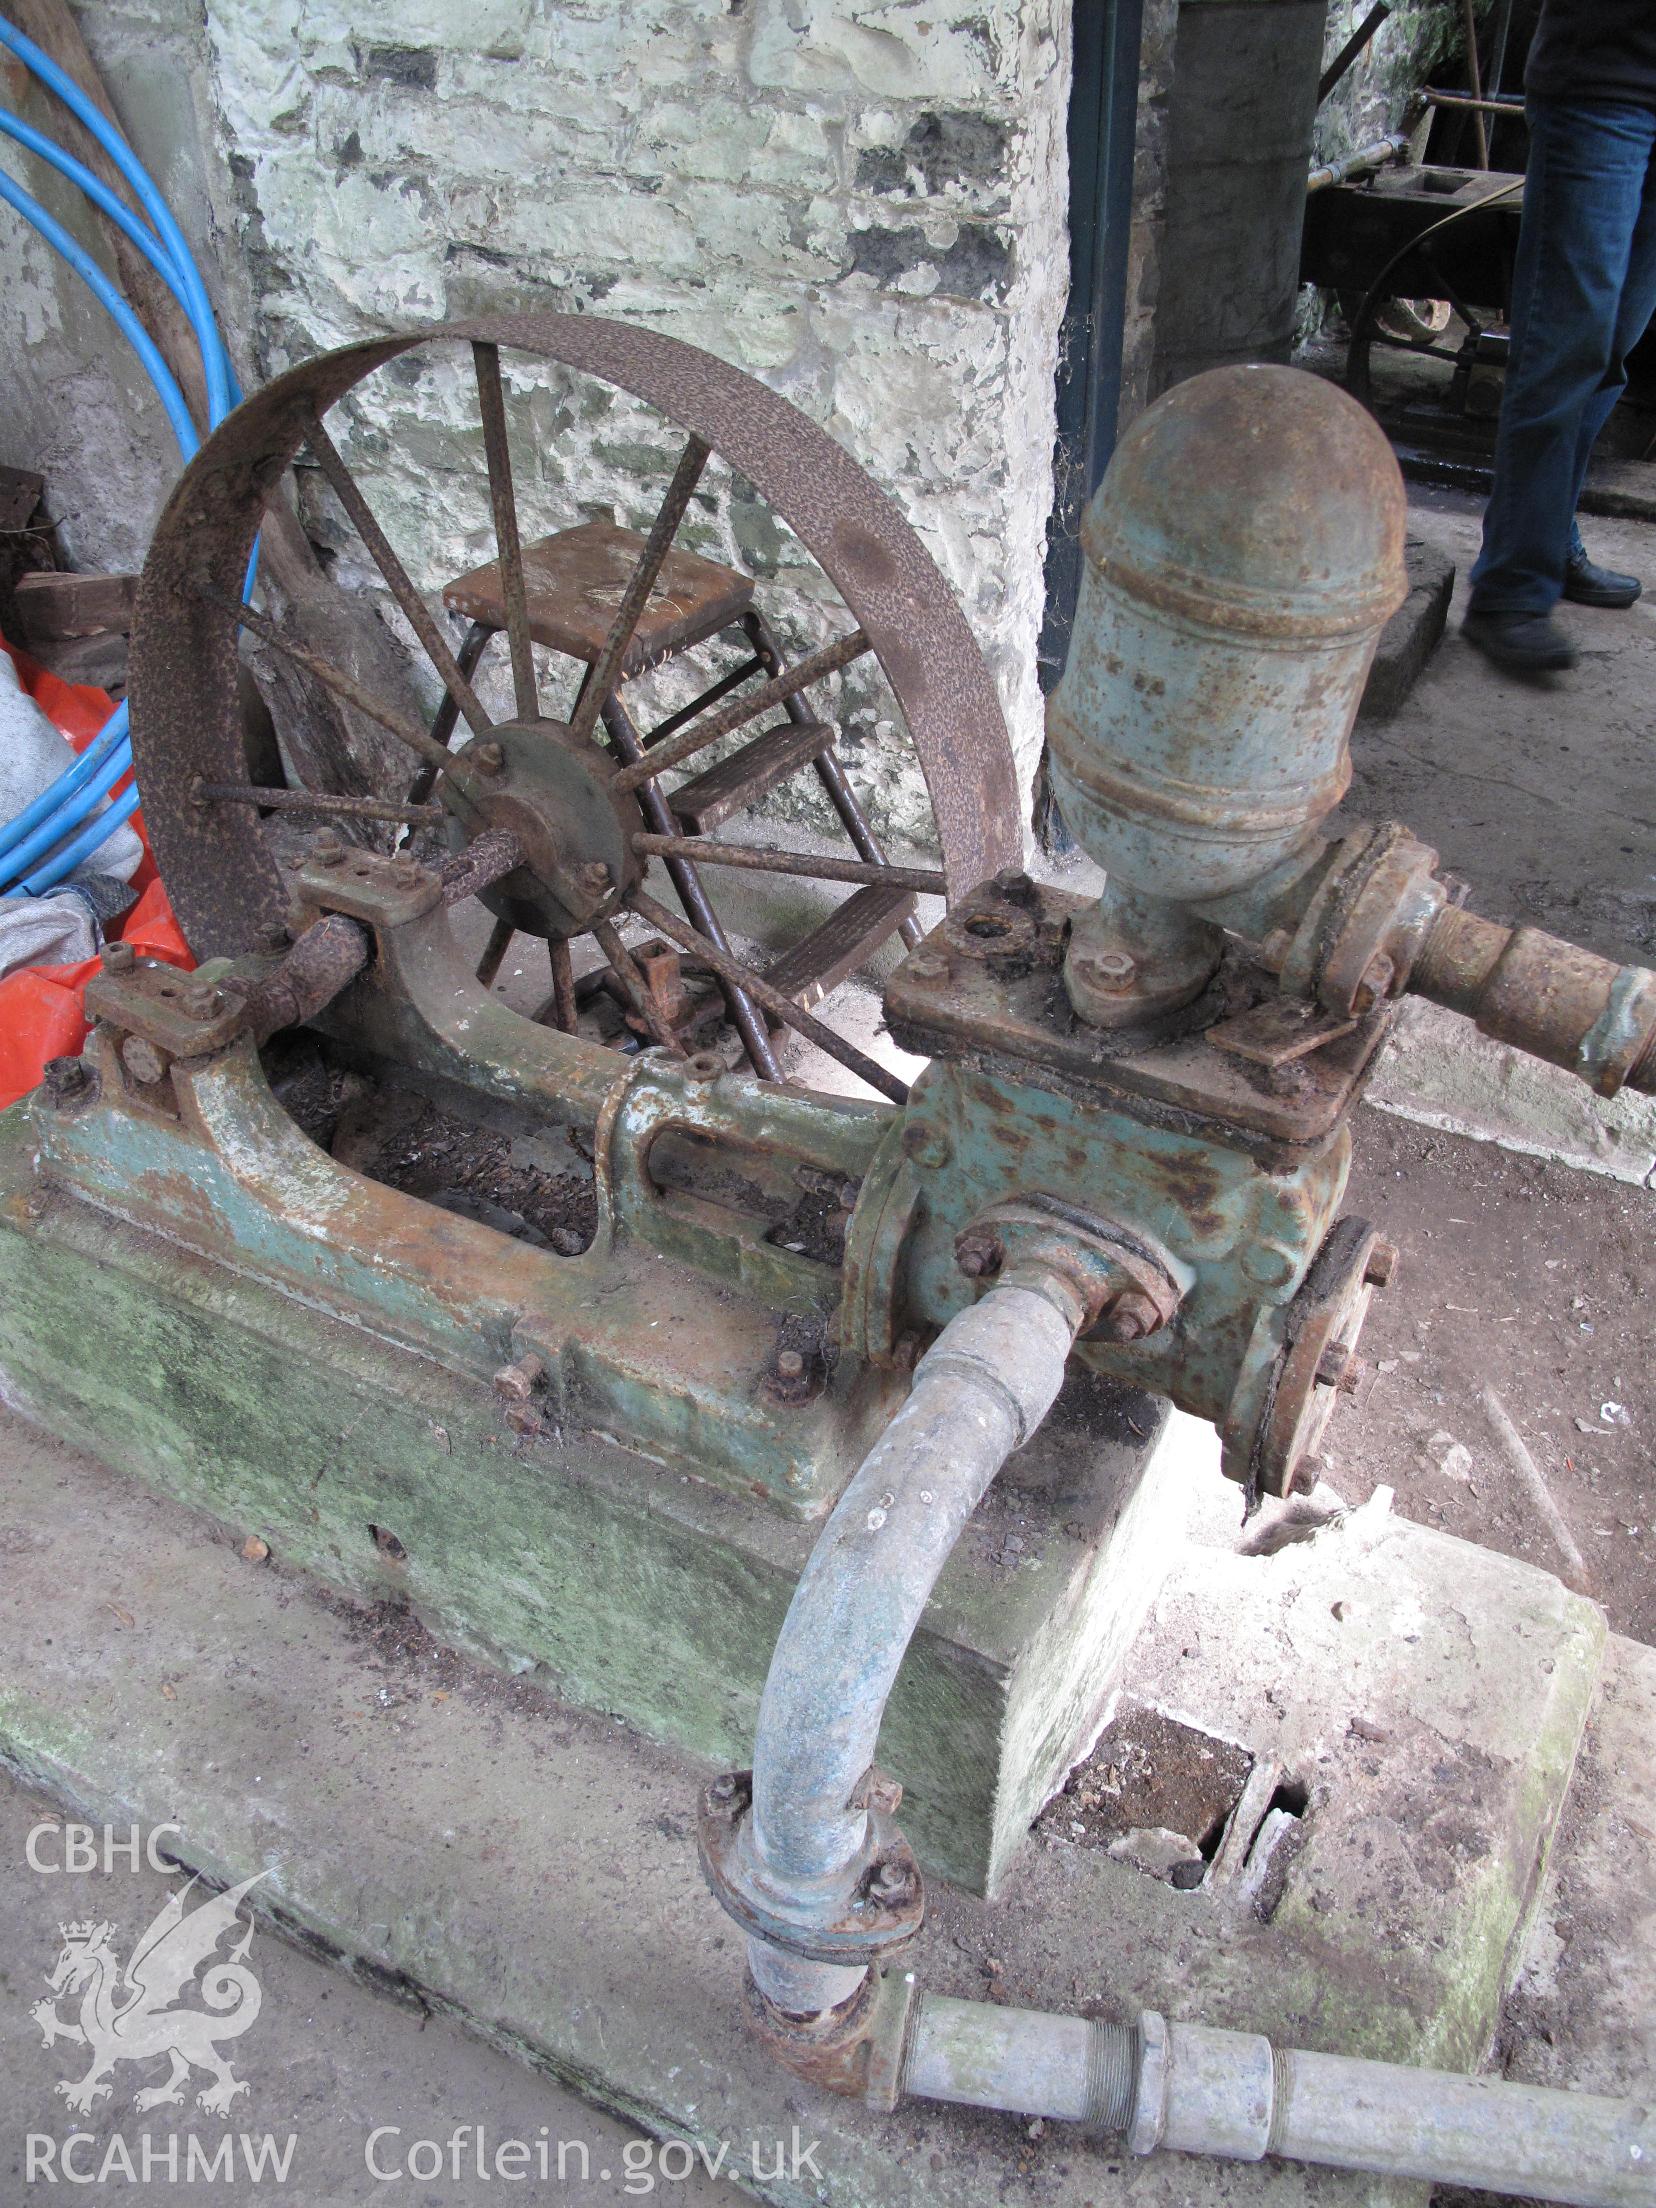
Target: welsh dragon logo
{"x":142,"y":2020}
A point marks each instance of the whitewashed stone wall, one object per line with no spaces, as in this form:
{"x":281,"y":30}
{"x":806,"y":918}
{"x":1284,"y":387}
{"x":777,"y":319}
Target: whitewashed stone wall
{"x":860,"y":201}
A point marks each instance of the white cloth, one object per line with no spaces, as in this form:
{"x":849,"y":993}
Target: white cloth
{"x":62,"y":926}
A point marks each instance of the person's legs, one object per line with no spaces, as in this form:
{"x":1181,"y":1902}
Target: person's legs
{"x":1633,"y":318}
{"x":1584,"y":200}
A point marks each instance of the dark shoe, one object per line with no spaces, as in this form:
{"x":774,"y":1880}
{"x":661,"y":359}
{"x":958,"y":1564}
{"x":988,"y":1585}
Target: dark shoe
{"x":1587,"y":584}
{"x":1528,"y":643}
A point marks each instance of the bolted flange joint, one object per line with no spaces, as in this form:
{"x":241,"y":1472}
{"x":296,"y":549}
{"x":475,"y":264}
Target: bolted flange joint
{"x":1123,"y":1284}
{"x":877,"y":1902}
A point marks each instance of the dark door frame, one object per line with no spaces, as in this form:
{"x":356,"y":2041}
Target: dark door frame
{"x":1103,"y":122}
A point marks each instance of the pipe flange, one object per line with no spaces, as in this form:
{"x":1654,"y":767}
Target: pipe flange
{"x":1149,"y":2118}
{"x":1126,"y":1286}
{"x":878,"y":1905}
{"x":1365,"y":923}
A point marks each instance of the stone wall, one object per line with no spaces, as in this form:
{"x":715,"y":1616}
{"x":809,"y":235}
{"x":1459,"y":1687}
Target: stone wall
{"x":860,"y":201}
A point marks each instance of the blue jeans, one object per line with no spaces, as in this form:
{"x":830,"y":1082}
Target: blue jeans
{"x":1583,"y":293}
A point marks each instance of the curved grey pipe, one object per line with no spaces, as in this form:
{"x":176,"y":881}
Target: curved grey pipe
{"x":982,"y":1389}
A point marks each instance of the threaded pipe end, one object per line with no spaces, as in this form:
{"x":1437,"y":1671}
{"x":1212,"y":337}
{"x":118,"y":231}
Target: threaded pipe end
{"x":1112,"y":2064}
{"x":1282,"y":2080}
{"x":1460,"y":952}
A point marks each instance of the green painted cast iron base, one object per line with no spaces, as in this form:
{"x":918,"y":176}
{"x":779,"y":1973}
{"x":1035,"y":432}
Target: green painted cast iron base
{"x":633,"y":1587}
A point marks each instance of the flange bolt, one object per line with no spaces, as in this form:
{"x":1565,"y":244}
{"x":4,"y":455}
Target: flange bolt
{"x":1382,"y":1263}
{"x":119,"y":958}
{"x":488,"y":758}
{"x":977,"y":1255}
{"x":890,"y":1881}
{"x":925,"y":1144}
{"x":328,"y":849}
{"x":790,"y":1364}
{"x":66,"y":1079}
{"x":1113,"y":971}
{"x":1340,"y":1367}
{"x":516,"y":1383}
{"x":1131,"y":1317}
{"x":1375,"y":986}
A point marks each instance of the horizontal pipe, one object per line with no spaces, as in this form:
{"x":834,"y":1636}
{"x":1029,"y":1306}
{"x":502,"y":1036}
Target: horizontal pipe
{"x":1190,"y":2089}
{"x":1374,"y":155}
{"x":313,"y":801}
{"x":1066,"y":2067}
{"x":1544,"y":996}
{"x":1525,"y":2139}
{"x":1511,"y":107}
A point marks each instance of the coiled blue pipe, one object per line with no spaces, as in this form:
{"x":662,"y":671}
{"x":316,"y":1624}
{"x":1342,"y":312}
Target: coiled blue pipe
{"x":73,"y":799}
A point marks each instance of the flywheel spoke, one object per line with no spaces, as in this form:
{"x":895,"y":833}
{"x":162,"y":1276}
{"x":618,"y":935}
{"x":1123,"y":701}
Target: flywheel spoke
{"x":807,"y":865}
{"x":491,"y":400}
{"x":494,"y":951}
{"x":418,"y":614}
{"x":740,"y":711}
{"x":742,"y":976}
{"x":560,"y":1006}
{"x":347,"y":687}
{"x":607,"y":667}
{"x":312,"y":801}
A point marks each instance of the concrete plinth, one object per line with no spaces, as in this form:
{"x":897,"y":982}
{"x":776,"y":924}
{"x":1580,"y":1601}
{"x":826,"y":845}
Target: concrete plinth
{"x":531,"y":1868}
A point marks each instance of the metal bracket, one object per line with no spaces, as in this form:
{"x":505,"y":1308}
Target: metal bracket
{"x":172,"y":1013}
{"x":367,"y":885}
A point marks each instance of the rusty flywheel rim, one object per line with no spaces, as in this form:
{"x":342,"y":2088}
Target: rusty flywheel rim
{"x":221,"y":875}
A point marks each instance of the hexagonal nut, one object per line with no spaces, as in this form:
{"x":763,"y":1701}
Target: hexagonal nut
{"x":1382,"y":1264}
{"x":979,"y":1252}
{"x":927,"y":1145}
{"x":1132,"y":1316}
{"x":1112,"y":971}
{"x":66,"y":1079}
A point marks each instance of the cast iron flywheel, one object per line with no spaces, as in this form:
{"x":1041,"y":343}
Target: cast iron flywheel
{"x":597,"y":801}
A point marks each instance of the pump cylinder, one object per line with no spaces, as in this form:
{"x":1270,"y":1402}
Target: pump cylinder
{"x":1242,"y":555}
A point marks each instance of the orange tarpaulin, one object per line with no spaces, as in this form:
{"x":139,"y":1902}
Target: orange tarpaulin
{"x":41,"y":1015}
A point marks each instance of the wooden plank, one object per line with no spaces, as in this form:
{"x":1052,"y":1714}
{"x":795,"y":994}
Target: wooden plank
{"x":719,"y":791}
{"x":847,"y":939}
{"x":51,"y":606}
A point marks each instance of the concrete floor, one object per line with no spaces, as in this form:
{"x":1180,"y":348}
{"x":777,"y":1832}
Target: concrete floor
{"x":335,"y":2062}
{"x":1540,"y":792}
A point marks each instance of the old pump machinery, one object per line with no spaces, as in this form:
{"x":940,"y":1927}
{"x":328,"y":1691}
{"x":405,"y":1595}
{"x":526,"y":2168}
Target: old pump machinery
{"x":781,"y":1339}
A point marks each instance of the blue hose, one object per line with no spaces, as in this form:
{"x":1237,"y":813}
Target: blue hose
{"x":215,"y":362}
{"x":90,"y":274}
{"x":71,"y":803}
